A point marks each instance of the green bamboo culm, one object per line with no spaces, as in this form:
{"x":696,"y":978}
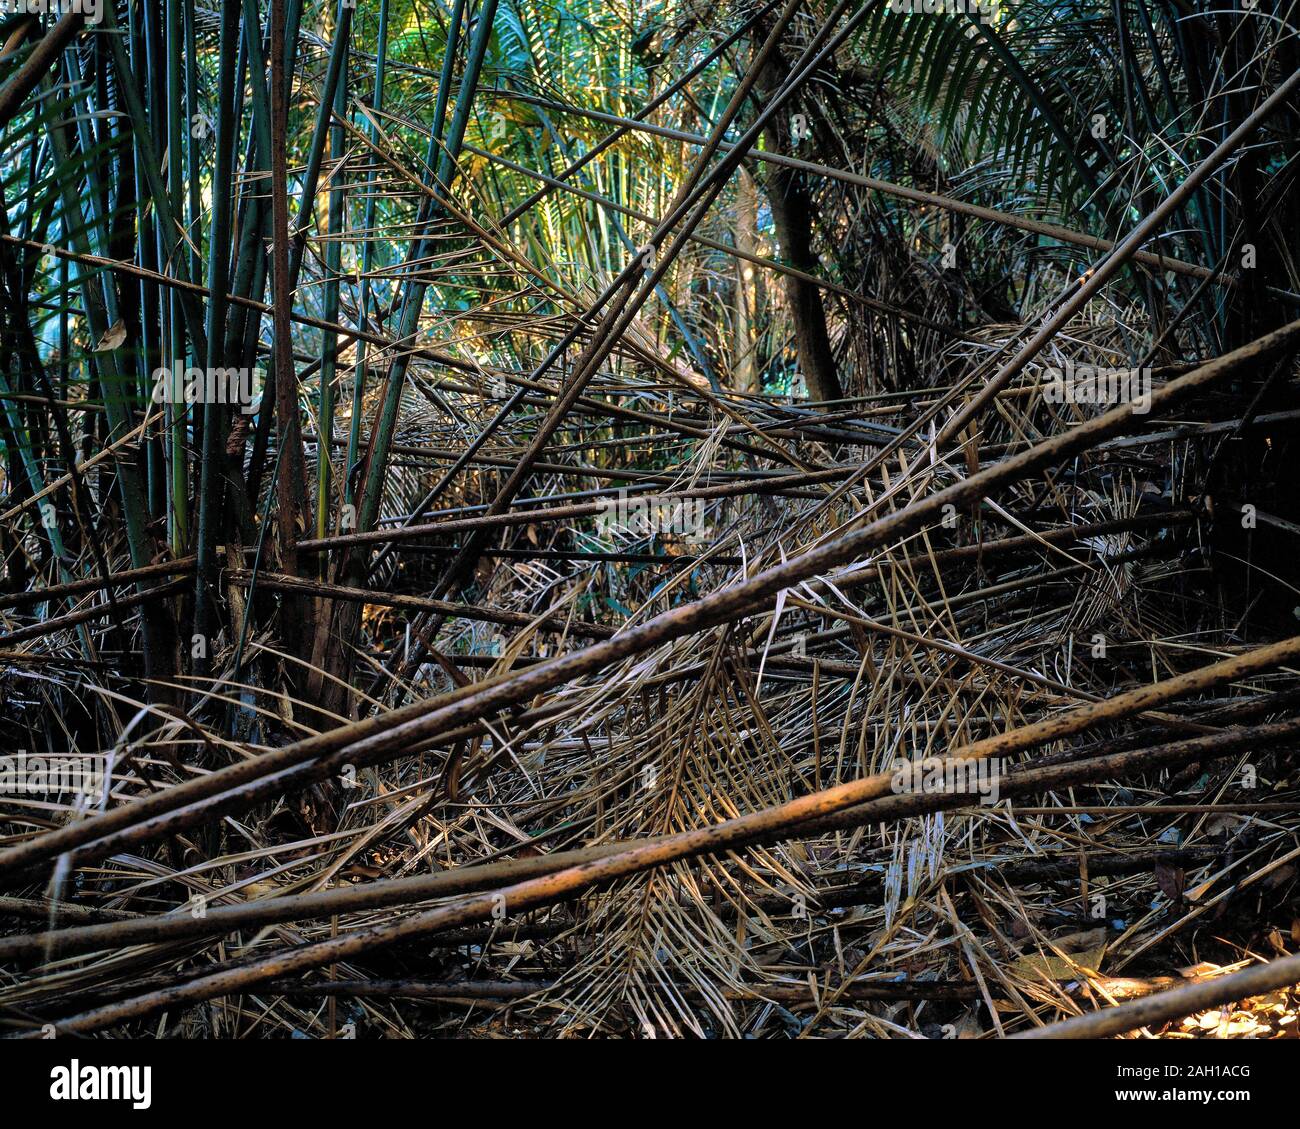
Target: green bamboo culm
{"x":443,"y":154}
{"x":368,"y":250}
{"x":211,"y":488}
{"x":333,"y":262}
{"x":178,"y":344}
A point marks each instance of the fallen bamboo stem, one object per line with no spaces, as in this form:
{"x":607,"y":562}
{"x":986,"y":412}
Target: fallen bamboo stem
{"x":72,"y":619}
{"x":277,"y":582}
{"x":478,"y":990}
{"x":370,"y":741}
{"x":808,"y":814}
{"x":1163,"y":1007}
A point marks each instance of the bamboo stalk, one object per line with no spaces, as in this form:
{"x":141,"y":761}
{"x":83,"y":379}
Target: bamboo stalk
{"x":1163,"y":1007}
{"x":368,"y":741}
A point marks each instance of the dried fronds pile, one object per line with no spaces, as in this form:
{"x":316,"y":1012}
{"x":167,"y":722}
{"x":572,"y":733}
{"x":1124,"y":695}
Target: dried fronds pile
{"x":770,"y":521}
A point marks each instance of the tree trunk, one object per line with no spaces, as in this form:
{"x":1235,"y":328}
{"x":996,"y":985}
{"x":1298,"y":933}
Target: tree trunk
{"x":791,"y":203}
{"x":744,"y":364}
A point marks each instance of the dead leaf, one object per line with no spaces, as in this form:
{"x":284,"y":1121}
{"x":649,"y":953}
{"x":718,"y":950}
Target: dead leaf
{"x":361,"y":870}
{"x":1052,"y":967}
{"x":1081,"y":940}
{"x":1221,"y":824}
{"x":1171,"y":880}
{"x":112,"y":339}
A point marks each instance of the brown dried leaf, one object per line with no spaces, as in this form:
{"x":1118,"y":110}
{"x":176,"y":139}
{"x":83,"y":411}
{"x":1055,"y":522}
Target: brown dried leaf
{"x":112,"y":339}
{"x":1171,"y":880}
